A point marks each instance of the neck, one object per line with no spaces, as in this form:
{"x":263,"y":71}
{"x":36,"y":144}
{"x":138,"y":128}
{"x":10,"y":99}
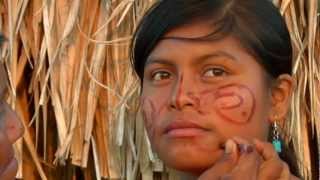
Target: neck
{"x":186,"y":176}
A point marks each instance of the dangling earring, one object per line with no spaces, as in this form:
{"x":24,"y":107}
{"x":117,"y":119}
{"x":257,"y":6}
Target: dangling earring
{"x":275,"y":138}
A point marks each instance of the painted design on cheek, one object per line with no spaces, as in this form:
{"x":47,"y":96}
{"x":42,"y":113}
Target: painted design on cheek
{"x":148,"y":111}
{"x":235,"y":103}
{"x":228,"y":100}
{"x":151,"y":111}
{"x":179,"y":92}
{"x":195,"y":99}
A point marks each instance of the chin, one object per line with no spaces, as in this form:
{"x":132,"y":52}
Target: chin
{"x":187,"y":167}
{"x":188,"y":160}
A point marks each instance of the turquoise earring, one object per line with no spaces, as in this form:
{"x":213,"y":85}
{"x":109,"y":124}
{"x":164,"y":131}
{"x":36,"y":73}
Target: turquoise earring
{"x":275,"y":139}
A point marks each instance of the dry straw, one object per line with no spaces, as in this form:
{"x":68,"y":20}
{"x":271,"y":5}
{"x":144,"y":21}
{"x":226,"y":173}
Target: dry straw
{"x":73,"y":88}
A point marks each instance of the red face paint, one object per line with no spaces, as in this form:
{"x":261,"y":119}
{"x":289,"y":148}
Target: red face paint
{"x":179,"y":92}
{"x":234,"y":103}
{"x":195,"y":99}
{"x":150,"y":112}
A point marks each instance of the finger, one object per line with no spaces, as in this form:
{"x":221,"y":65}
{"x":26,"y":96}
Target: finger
{"x":285,"y":175}
{"x":240,"y":140}
{"x":244,"y":146}
{"x":248,"y":163}
{"x":266,"y":150}
{"x":11,"y":170}
{"x":271,"y":169}
{"x":294,"y":178}
{"x":224,"y":164}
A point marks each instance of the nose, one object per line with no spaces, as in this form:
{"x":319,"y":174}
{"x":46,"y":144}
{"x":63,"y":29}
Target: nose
{"x":184,"y":95}
{"x":13,"y":125}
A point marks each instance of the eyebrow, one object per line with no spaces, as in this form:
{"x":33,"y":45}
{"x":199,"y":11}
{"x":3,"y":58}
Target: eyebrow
{"x":198,"y":60}
{"x":216,"y":54}
{"x":159,"y":61}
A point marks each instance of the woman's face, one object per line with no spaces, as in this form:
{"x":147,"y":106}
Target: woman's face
{"x":197,"y":94}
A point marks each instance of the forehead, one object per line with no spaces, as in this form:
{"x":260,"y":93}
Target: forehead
{"x":192,"y":30}
{"x":195,"y":39}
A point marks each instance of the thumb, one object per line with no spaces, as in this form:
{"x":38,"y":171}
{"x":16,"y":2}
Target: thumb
{"x":224,"y":164}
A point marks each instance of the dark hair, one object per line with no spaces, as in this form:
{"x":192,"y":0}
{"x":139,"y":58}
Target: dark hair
{"x":257,"y":24}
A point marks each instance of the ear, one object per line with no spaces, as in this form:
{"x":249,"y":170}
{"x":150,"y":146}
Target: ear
{"x":281,"y":94}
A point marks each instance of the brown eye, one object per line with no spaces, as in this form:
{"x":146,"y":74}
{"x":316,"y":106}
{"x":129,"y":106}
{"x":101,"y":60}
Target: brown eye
{"x":160,"y":75}
{"x":215,"y":72}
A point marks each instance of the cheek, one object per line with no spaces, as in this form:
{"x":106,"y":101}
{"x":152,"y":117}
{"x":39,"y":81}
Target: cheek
{"x":152,"y":109}
{"x":234,"y":103}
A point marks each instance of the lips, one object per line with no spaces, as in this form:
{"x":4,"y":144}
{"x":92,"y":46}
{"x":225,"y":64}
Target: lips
{"x":184,"y":129}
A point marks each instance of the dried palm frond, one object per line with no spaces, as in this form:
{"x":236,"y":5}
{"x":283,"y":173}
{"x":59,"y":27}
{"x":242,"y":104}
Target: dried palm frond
{"x":304,"y":123}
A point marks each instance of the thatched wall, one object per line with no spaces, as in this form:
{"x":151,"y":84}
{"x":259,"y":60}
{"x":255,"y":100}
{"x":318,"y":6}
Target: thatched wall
{"x":73,"y":87}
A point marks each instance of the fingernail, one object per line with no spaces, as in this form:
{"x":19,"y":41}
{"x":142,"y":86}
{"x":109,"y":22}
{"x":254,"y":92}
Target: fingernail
{"x":245,"y":148}
{"x":228,"y":147}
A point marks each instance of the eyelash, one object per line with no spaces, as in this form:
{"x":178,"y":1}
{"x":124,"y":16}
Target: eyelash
{"x":160,"y":73}
{"x":222,"y":72}
{"x":165,"y":75}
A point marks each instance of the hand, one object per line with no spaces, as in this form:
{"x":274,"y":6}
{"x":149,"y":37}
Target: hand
{"x":257,"y":162}
{"x":272,"y":167}
{"x":240,"y":161}
{"x":246,"y":162}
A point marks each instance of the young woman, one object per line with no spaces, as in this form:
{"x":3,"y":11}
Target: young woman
{"x":216,"y":87}
{"x":10,"y":129}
